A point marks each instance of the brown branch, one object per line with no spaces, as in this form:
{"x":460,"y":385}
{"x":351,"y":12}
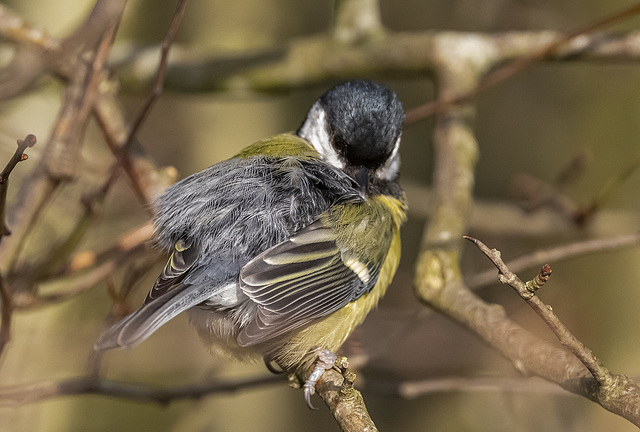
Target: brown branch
{"x":502,"y":385}
{"x":158,"y":85}
{"x":557,"y":253}
{"x":36,"y":392}
{"x":438,"y":281}
{"x":61,"y":156}
{"x":18,"y":156}
{"x":519,"y":65}
{"x":344,"y":402}
{"x":146,"y":179}
{"x":6,"y":292}
{"x":85,"y":269}
{"x":6,"y":297}
{"x":615,"y":392}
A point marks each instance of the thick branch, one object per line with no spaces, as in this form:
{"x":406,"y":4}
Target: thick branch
{"x":438,"y":281}
{"x":346,"y":404}
{"x":319,"y":59}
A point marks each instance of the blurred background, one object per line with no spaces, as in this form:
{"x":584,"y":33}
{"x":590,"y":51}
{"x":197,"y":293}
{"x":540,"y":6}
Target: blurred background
{"x":535,"y":123}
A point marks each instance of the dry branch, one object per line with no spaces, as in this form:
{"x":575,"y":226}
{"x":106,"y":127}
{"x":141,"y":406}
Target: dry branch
{"x":36,"y":392}
{"x":615,"y":392}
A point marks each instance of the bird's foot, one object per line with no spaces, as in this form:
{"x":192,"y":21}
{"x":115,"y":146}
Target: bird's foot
{"x":326,"y":361}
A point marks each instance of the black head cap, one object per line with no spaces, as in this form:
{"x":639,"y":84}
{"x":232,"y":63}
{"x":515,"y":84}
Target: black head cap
{"x":365,"y":121}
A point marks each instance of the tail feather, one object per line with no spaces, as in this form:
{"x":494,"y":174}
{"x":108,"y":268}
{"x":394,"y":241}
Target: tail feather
{"x":141,"y":324}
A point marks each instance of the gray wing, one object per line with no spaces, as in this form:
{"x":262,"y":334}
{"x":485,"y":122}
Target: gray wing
{"x":300,"y":280}
{"x":167,"y":298}
{"x":182,"y":258}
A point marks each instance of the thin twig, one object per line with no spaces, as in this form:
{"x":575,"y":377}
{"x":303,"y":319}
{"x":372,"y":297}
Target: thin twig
{"x":18,"y":156}
{"x":518,"y":66}
{"x":556,"y":253}
{"x":6,"y":292}
{"x":61,"y":157}
{"x":92,"y":267}
{"x":417,"y":388}
{"x":6,"y":296}
{"x":156,"y":91}
{"x":79,"y":284}
{"x":158,"y":84}
{"x":564,"y":335}
{"x":36,"y":392}
{"x":146,"y":179}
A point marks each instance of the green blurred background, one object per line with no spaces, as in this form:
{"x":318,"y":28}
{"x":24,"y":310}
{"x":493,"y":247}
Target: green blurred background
{"x":534,"y":123}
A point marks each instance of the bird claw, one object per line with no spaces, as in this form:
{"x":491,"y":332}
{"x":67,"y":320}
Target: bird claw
{"x":326,"y":361}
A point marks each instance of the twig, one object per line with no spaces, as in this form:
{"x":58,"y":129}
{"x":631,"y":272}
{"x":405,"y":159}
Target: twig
{"x":564,"y":335}
{"x":556,"y":253}
{"x":610,"y":386}
{"x":146,"y":179}
{"x":6,"y":292}
{"x":158,"y":83}
{"x":518,"y":65}
{"x":95,"y":265}
{"x":61,"y":156}
{"x":612,"y":185}
{"x":79,"y":284}
{"x":18,"y":156}
{"x":6,"y":296}
{"x":417,"y":388}
{"x":36,"y":392}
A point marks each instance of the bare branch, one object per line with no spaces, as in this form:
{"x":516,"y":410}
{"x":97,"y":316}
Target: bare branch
{"x":615,"y":392}
{"x":6,"y":297}
{"x":557,"y":253}
{"x":146,"y":179}
{"x":18,"y":156}
{"x":123,"y":150}
{"x":489,"y":384}
{"x":345,"y":402}
{"x":519,"y":65}
{"x":61,"y":156}
{"x":158,"y":84}
{"x":36,"y":392}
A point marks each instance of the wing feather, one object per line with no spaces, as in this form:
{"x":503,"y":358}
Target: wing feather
{"x":298,"y":281}
{"x":181,"y":260}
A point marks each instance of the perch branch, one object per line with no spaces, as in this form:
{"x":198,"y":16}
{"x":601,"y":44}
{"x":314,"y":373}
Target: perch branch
{"x":344,"y":402}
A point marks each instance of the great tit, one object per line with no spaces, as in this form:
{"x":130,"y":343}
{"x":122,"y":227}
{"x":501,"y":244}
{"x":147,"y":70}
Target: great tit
{"x":282,"y":250}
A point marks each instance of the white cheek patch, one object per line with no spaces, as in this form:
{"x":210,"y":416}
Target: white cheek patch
{"x":316,"y":130}
{"x":390,"y":169}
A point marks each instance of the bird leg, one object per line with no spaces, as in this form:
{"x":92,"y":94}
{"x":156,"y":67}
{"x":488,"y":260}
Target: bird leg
{"x":326,"y":361}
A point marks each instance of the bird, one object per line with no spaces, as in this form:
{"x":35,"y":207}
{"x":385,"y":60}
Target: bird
{"x":282,"y":250}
